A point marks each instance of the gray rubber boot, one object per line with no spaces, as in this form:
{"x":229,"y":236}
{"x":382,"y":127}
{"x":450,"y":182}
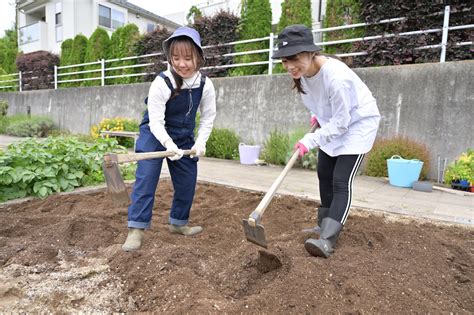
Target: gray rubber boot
{"x":324,"y":246}
{"x":322,"y":213}
{"x":134,"y":239}
{"x":185,"y":230}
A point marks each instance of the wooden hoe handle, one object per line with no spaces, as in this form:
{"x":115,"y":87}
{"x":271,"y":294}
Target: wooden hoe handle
{"x":132,"y":157}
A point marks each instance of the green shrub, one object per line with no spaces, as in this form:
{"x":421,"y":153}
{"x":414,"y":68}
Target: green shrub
{"x":386,"y":148}
{"x":3,"y":108}
{"x":223,"y":144}
{"x":3,"y":124}
{"x":7,"y":120}
{"x":276,"y":148}
{"x":40,"y":168}
{"x":35,"y":126}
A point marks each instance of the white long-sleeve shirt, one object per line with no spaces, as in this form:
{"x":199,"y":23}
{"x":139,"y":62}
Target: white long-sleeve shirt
{"x":160,"y":93}
{"x":345,"y":108}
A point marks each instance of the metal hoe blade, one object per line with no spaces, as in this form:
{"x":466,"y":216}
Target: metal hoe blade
{"x":255,"y":234}
{"x":115,"y":185}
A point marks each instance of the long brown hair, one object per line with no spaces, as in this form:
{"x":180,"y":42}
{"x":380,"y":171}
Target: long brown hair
{"x":297,"y":82}
{"x":185,"y":46}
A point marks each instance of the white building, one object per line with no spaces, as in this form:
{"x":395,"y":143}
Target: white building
{"x":44,"y":24}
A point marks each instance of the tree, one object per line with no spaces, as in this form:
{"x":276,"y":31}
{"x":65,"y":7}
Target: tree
{"x":342,"y":12}
{"x":218,"y":29}
{"x":8,"y":51}
{"x":77,"y":56}
{"x":193,"y":14}
{"x":97,"y":48}
{"x":122,"y":44}
{"x":295,"y":12}
{"x":256,"y":22}
{"x":66,"y":50}
{"x":151,"y":43}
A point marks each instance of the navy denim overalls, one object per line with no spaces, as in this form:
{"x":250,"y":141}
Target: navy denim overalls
{"x":180,"y":120}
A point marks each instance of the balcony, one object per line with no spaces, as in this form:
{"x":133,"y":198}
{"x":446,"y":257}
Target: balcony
{"x":33,"y":37}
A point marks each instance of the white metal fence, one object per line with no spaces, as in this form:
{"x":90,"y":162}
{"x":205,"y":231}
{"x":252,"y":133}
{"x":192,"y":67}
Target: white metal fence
{"x":102,"y":72}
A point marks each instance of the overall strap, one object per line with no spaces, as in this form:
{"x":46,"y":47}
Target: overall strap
{"x":167,"y":81}
{"x":203,"y":80}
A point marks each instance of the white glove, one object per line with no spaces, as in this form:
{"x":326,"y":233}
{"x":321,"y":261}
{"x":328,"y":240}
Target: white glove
{"x":171,"y":146}
{"x":199,"y":148}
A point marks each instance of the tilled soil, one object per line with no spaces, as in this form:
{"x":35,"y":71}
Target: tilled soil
{"x":63,"y":254}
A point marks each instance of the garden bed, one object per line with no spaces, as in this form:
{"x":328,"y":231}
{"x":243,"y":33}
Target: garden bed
{"x":63,"y":254}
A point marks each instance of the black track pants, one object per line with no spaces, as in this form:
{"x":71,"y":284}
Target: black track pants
{"x":336,"y":175}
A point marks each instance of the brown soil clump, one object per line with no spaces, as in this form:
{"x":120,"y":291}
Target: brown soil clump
{"x":63,"y":254}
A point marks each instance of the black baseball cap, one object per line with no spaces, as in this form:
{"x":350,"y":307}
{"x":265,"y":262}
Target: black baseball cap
{"x":294,"y":39}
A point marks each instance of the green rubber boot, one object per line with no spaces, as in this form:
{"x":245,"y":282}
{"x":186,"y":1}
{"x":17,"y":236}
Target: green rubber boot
{"x":322,"y":213}
{"x":134,"y":239}
{"x":185,"y":230}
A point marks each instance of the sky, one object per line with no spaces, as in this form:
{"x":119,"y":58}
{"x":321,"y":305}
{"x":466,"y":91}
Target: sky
{"x":159,"y":7}
{"x":7,"y":15}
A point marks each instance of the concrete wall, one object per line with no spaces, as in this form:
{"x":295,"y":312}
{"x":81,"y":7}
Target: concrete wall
{"x":430,"y":103}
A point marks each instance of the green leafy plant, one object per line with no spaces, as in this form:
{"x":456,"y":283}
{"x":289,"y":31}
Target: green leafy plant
{"x":40,"y":168}
{"x":34,"y":126}
{"x":462,"y":168}
{"x":223,"y":144}
{"x":386,"y":148}
{"x":275,"y":148}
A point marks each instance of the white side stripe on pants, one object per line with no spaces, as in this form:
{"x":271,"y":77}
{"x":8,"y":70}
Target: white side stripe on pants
{"x":351,"y":180}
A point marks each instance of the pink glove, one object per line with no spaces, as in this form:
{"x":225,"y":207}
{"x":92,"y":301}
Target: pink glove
{"x":301,"y":148}
{"x":314,"y":121}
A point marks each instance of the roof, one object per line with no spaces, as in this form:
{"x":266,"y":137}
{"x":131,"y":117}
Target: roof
{"x":146,"y":13}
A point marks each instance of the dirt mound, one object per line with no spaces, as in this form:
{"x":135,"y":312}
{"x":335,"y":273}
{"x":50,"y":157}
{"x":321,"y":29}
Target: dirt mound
{"x":63,"y":254}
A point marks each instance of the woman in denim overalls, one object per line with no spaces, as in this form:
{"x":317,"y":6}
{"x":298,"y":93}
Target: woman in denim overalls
{"x":168,"y":124}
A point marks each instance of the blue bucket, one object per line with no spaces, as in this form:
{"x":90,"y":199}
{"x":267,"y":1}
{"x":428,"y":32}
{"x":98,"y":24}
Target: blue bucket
{"x":403,"y":173}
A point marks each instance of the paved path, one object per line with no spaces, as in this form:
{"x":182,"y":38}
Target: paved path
{"x":6,"y":140}
{"x":369,"y":192}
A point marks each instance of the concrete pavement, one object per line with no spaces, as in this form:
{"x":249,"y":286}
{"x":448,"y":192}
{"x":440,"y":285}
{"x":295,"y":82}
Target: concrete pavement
{"x":371,"y":193}
{"x":6,"y":140}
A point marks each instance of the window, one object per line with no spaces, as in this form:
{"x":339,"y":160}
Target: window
{"x":150,"y":27}
{"x":29,"y":33}
{"x":118,"y":19}
{"x":59,"y":21}
{"x":59,"y":33}
{"x":110,"y":18}
{"x":104,"y":16}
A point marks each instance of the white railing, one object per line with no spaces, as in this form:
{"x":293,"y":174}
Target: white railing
{"x":102,"y":71}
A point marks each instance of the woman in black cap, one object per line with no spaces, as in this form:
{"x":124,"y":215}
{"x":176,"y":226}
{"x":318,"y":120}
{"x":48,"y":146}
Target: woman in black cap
{"x":168,"y":124}
{"x":348,"y":117}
